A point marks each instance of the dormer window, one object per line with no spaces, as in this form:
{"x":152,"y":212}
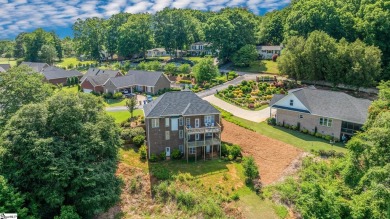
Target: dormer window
{"x":291,"y":102}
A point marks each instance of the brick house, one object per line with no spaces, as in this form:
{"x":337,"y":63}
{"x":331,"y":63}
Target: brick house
{"x":326,"y":112}
{"x":95,"y":78}
{"x":182,"y":120}
{"x":138,"y":81}
{"x":53,"y":74}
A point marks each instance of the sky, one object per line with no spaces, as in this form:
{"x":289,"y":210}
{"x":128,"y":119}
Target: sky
{"x":18,"y":16}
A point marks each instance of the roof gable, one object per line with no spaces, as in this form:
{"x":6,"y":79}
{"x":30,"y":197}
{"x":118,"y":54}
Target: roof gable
{"x":184,"y":103}
{"x":145,"y":78}
{"x":52,"y":72}
{"x":5,"y":67}
{"x":36,"y":66}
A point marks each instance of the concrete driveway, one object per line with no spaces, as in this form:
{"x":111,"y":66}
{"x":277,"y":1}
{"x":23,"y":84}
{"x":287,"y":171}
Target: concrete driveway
{"x":251,"y":115}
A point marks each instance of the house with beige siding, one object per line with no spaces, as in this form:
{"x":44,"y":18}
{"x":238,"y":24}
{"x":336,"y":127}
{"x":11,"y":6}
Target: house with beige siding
{"x":181,"y":120}
{"x":150,"y":82}
{"x":326,"y":112}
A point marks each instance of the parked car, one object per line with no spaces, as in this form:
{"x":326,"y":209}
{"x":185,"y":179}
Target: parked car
{"x":149,"y":98}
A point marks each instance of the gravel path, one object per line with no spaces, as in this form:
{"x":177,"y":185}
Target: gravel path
{"x":273,"y":157}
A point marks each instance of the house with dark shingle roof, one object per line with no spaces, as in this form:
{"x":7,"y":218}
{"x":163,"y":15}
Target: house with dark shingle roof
{"x":4,"y":67}
{"x":95,"y":78}
{"x":138,"y":81}
{"x":57,"y":75}
{"x":326,"y":112}
{"x":181,"y":120}
{"x":36,"y":66}
{"x":53,"y":74}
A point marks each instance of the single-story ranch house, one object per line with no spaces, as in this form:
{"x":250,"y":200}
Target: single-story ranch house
{"x":158,"y":52}
{"x":138,"y":81}
{"x":4,"y":67}
{"x":182,"y":120}
{"x":266,"y":52}
{"x":53,"y":74}
{"x":94,"y":79}
{"x":326,"y":112}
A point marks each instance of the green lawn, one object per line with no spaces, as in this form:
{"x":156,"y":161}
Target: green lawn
{"x":267,"y":66}
{"x":115,"y":102}
{"x":121,"y":116}
{"x":72,"y":89}
{"x":11,"y":61}
{"x":74,"y":61}
{"x":295,"y":138}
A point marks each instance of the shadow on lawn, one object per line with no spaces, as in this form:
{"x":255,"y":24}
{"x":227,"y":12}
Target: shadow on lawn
{"x":307,"y":137}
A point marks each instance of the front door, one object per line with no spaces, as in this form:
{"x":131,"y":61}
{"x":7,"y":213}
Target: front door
{"x":168,"y":151}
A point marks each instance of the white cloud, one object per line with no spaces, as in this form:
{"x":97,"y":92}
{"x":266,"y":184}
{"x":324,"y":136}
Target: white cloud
{"x":26,"y":15}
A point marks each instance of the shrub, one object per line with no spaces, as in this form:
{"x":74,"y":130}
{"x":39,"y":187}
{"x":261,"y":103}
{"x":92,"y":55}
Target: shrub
{"x":318,"y":135}
{"x":176,"y":154}
{"x":231,"y":151}
{"x":185,"y":82}
{"x":230,"y":87}
{"x":117,"y":95}
{"x":210,"y":209}
{"x":328,"y":137}
{"x":206,"y":86}
{"x":182,"y":177}
{"x":161,"y":173}
{"x":107,"y":95}
{"x":271,"y":121}
{"x":235,"y":197}
{"x":138,"y":140}
{"x":153,"y":158}
{"x":186,"y":199}
{"x":143,"y":152}
{"x":274,"y":57}
{"x":305,"y":131}
{"x":162,"y":156}
{"x":250,"y":168}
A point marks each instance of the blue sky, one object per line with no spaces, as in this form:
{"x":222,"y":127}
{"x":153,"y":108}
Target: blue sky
{"x":26,"y":15}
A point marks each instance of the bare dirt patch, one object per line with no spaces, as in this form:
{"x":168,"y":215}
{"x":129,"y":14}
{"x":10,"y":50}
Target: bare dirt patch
{"x":272,"y":156}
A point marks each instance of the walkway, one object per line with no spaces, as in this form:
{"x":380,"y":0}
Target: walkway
{"x":251,"y":115}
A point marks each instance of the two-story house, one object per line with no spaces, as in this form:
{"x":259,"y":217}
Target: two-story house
{"x":326,"y":112}
{"x":200,"y":48}
{"x":182,"y":120}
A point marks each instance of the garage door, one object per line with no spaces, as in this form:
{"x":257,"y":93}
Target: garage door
{"x":87,"y":90}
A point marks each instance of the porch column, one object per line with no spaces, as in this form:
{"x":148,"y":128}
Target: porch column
{"x":204,"y":144}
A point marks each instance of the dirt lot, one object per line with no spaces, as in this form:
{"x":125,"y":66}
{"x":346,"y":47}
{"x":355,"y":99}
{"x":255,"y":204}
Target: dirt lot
{"x":272,"y":156}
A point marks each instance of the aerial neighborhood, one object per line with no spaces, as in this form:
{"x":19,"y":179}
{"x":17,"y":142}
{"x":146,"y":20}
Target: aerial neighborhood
{"x":243,"y":110}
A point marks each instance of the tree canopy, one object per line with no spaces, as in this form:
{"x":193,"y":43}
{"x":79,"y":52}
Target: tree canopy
{"x":63,"y":152}
{"x":205,"y":70}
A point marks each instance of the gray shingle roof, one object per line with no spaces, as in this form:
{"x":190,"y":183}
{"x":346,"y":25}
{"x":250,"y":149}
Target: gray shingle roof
{"x":52,"y":72}
{"x":145,"y":78}
{"x":2,"y":69}
{"x":5,"y":67}
{"x":98,"y":76}
{"x":334,"y":104}
{"x":276,"y":98}
{"x":183,"y":103}
{"x":36,"y":66}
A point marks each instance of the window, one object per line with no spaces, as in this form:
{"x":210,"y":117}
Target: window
{"x":174,"y":124}
{"x":155,"y":123}
{"x":166,"y":122}
{"x":197,"y":123}
{"x":291,"y":102}
{"x":192,"y":151}
{"x":167,"y":135}
{"x":301,"y":116}
{"x":197,"y":137}
{"x":181,"y":121}
{"x":181,"y":148}
{"x":208,"y":120}
{"x":188,"y":122}
{"x":180,"y":134}
{"x":326,"y":122}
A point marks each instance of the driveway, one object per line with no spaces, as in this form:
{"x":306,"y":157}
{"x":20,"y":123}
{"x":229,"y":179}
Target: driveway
{"x":251,"y":115}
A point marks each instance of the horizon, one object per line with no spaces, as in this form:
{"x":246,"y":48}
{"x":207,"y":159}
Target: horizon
{"x":17,"y":16}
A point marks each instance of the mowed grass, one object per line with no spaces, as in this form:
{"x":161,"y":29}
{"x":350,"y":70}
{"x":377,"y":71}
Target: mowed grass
{"x":267,"y":66}
{"x":71,"y":89}
{"x":121,"y":116}
{"x":295,"y":138}
{"x":115,"y":102}
{"x":72,"y":61}
{"x":12,"y":62}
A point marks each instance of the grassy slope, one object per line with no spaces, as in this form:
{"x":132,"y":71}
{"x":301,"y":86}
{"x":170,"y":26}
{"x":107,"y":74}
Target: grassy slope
{"x":121,"y":116}
{"x":216,"y":177}
{"x":295,"y":138}
{"x":115,"y":102}
{"x":261,"y":66}
{"x":74,"y":61}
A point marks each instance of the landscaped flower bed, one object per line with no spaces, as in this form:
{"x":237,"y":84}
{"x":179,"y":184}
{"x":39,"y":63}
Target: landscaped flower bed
{"x":251,"y":94}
